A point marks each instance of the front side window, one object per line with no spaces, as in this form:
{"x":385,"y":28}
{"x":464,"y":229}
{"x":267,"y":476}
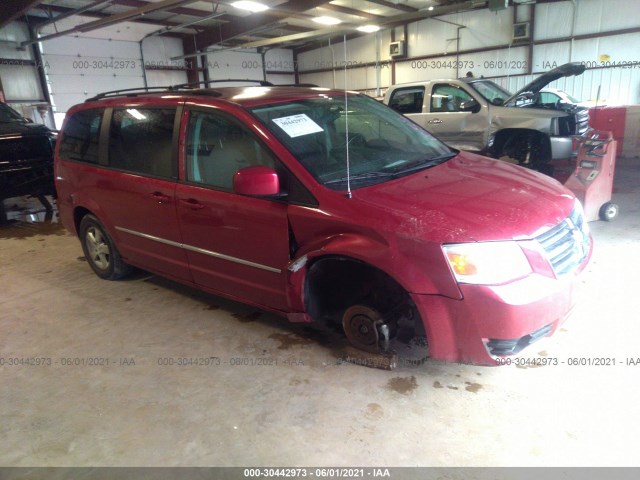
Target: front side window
{"x":448,"y":98}
{"x":81,"y":136}
{"x":140,"y":141}
{"x":407,"y":100}
{"x":217,"y":147}
{"x":378,"y":143}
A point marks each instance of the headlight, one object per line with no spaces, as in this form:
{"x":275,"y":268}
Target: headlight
{"x":487,"y":263}
{"x":577,"y":217}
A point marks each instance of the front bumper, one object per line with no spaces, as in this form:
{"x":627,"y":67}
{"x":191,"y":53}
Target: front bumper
{"x":494,"y":321}
{"x":563,"y":147}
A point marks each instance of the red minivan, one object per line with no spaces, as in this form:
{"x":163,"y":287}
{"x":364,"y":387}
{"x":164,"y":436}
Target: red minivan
{"x":319,"y":204}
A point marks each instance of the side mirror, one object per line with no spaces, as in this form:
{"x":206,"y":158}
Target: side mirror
{"x":499,"y":101}
{"x":258,"y":181}
{"x":470,"y":106}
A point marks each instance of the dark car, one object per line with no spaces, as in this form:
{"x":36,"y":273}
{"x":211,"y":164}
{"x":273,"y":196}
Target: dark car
{"x":26,"y":156}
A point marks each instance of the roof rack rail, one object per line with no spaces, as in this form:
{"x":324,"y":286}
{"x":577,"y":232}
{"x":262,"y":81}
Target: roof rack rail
{"x":128,"y":91}
{"x":296,"y":85}
{"x":262,"y":83}
{"x":132,"y":92}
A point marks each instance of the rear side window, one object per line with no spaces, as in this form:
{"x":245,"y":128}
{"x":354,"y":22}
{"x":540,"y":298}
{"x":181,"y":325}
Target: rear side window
{"x":81,"y":135}
{"x":140,"y":141}
{"x":407,"y":100}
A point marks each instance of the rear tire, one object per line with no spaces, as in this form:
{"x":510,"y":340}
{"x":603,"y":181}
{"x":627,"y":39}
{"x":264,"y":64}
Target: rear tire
{"x":99,"y":250}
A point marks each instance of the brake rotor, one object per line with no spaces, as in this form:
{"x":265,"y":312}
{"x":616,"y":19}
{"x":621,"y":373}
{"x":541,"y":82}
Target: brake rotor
{"x":360,"y":325}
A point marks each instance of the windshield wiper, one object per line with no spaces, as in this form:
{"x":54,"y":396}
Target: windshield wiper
{"x":376,"y":174}
{"x":431,"y":162}
{"x":361,"y":176}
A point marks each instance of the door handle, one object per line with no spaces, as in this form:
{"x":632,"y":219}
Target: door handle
{"x":437,"y":120}
{"x":160,"y":197}
{"x":192,"y":203}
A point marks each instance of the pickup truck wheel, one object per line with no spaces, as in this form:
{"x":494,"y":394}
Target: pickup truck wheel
{"x":99,"y":250}
{"x":609,"y":211}
{"x":531,"y":150}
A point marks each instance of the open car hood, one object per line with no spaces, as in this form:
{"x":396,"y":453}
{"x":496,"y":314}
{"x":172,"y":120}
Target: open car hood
{"x":534,"y":87}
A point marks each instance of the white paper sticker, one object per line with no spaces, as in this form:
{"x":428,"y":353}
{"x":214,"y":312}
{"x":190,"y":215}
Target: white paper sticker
{"x":297,"y":125}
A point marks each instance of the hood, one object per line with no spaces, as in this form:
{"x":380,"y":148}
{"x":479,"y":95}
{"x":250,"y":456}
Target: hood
{"x":534,"y":87}
{"x":12,"y":129}
{"x":470,"y":198}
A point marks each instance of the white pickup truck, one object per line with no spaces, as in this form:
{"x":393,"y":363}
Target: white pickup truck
{"x":478,"y":115}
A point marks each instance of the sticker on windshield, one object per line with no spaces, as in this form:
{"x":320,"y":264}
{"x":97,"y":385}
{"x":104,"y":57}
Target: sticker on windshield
{"x":297,"y":125}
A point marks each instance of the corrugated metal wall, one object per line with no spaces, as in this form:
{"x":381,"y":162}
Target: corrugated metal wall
{"x":79,"y":68}
{"x":613,"y":61}
{"x":367,"y":59}
{"x":19,"y":75}
{"x":249,"y":65}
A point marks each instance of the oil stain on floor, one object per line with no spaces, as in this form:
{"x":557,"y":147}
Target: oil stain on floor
{"x":288,"y":340}
{"x":247,"y":317}
{"x":20,"y":230}
{"x":374,"y":411}
{"x":25,"y":217}
{"x":403,"y":385}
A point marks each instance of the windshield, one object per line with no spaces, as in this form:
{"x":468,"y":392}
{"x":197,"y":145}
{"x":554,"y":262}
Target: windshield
{"x":490,"y":91}
{"x":382,"y":144}
{"x":571,"y":98}
{"x":9,"y":115}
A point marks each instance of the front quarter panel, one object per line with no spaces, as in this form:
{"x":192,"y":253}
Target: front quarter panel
{"x":418,"y":266}
{"x":525,"y":118}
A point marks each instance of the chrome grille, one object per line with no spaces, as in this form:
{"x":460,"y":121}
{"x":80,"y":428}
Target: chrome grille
{"x":567,"y":244}
{"x":582,"y":121}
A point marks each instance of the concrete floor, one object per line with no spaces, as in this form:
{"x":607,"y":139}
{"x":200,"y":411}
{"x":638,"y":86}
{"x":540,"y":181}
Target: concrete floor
{"x":309,"y":409}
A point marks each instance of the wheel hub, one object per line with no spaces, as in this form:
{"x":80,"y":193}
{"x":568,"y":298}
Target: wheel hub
{"x":360,"y":325}
{"x":98,"y":248}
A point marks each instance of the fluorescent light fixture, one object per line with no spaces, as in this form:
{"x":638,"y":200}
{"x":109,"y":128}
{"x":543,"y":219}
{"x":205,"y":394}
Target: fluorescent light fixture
{"x":327,"y":20}
{"x":254,"y":7}
{"x":430,"y":8}
{"x":368,"y":28}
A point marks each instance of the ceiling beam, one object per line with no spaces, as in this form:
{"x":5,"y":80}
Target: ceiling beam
{"x":124,"y":16}
{"x":72,"y":12}
{"x":425,"y":13}
{"x":396,"y":6}
{"x":389,"y":22}
{"x":107,"y":21}
{"x":295,"y":28}
{"x":36,"y":21}
{"x":12,"y":9}
{"x":194,"y":12}
{"x":352,"y":11}
{"x":295,"y":36}
{"x":245,"y":25}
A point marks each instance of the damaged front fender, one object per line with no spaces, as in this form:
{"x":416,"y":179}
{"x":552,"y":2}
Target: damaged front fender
{"x":348,"y":246}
